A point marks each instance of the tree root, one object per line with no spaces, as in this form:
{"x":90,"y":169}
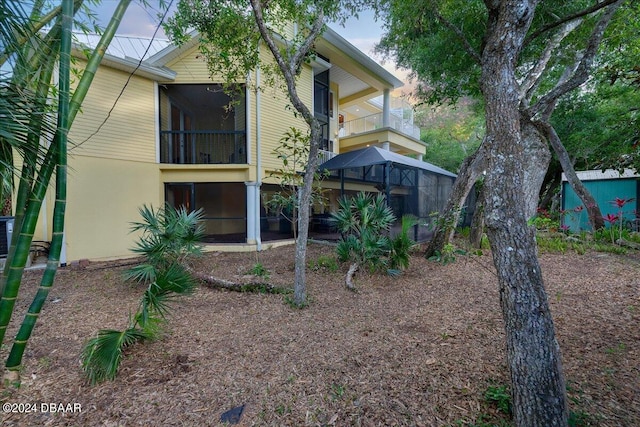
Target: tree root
{"x":349,"y":278}
{"x":628,"y":244}
{"x":258,"y":287}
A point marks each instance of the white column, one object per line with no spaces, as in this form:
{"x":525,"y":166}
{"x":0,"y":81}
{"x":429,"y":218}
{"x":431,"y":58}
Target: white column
{"x":386,"y":109}
{"x":251,"y":212}
{"x":420,"y":157}
{"x":385,"y":145}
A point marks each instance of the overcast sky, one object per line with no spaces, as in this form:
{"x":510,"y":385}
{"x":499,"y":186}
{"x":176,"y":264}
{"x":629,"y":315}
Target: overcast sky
{"x":363,"y":32}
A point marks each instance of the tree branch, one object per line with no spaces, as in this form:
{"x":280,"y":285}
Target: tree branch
{"x":596,"y":7}
{"x":582,"y":67}
{"x":305,"y":47}
{"x":475,"y":55}
{"x":533,"y":78}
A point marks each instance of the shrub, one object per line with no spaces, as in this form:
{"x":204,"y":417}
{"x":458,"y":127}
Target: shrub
{"x":169,"y":237}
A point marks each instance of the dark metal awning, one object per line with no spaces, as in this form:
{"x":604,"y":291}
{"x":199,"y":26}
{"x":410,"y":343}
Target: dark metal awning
{"x":375,"y":156}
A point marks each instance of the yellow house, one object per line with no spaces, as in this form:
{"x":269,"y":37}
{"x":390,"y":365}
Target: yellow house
{"x":156,"y":128}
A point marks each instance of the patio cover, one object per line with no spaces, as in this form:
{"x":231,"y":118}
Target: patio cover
{"x":376,"y":156}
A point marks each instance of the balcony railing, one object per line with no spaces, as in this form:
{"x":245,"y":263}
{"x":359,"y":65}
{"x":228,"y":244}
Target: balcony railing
{"x":374,"y":121}
{"x":324,"y":155}
{"x":203,"y":147}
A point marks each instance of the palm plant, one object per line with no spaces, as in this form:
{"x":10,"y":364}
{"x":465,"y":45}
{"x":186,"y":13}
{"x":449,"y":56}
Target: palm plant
{"x":169,"y":237}
{"x":400,"y":246}
{"x":364,"y":222}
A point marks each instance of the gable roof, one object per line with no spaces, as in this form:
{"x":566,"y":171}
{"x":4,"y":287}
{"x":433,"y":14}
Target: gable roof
{"x":148,"y":56}
{"x":376,"y":156}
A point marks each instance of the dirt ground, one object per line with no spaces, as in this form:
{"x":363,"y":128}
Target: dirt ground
{"x":417,"y":350}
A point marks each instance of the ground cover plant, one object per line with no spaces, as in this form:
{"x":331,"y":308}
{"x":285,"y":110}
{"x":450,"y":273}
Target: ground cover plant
{"x":421,"y":349}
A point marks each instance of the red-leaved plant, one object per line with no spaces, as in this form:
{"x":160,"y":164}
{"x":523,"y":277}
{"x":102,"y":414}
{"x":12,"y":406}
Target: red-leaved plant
{"x":611,"y":219}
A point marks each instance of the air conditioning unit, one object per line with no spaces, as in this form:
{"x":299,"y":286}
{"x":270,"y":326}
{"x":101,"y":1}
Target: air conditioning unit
{"x":6,"y":230}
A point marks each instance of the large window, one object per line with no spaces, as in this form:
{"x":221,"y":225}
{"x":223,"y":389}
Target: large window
{"x":224,"y":205}
{"x":202,"y":124}
{"x":322,"y":106}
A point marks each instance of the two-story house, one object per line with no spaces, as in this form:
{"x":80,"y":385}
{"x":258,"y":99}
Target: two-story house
{"x":156,"y":128}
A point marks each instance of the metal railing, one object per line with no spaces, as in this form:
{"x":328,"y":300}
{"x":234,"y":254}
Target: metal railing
{"x":203,"y":147}
{"x":374,"y":121}
{"x":324,"y":155}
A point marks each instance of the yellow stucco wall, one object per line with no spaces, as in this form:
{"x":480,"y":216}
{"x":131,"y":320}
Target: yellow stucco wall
{"x":103,"y":199}
{"x":129,"y":132}
{"x":113,"y":172}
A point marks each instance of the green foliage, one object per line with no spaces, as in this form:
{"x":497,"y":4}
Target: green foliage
{"x":293,"y":152}
{"x":499,"y":396}
{"x":447,"y":255}
{"x":35,"y":38}
{"x":450,"y":133}
{"x":543,"y":223}
{"x":400,"y":245}
{"x":169,"y":237}
{"x":324,"y":263}
{"x":364,"y":222}
{"x":600,"y":127}
{"x":259,"y":270}
{"x":230,"y":36}
{"x":101,"y":356}
{"x":289,"y":300}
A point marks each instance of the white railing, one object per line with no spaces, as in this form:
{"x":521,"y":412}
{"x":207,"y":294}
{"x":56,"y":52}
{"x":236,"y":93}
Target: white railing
{"x":374,"y":121}
{"x":324,"y":155}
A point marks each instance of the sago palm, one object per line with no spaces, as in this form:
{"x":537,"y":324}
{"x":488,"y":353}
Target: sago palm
{"x":364,"y":222}
{"x":168,"y":238}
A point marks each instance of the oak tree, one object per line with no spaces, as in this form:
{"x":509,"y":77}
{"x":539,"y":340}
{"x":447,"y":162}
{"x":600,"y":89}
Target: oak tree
{"x":521,"y":57}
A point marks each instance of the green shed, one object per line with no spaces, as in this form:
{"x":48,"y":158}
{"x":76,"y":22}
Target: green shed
{"x":605,"y":187}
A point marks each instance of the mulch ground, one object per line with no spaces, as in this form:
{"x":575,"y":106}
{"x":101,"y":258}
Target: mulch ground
{"x":417,"y":350}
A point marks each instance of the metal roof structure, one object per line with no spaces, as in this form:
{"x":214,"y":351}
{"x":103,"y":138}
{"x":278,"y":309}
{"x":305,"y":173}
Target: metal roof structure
{"x":375,"y":156}
{"x":597,"y":174}
{"x":124,"y":47}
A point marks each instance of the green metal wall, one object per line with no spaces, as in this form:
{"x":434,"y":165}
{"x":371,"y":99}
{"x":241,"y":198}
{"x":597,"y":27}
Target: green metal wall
{"x":604,"y":191}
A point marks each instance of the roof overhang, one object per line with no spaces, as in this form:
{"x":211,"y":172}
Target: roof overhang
{"x":376,"y":156}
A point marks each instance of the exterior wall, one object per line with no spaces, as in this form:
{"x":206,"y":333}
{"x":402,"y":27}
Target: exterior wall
{"x":276,"y":117}
{"x":129,"y":133}
{"x":111,"y":172}
{"x":115,"y":170}
{"x":604,"y":191}
{"x":103,"y":199}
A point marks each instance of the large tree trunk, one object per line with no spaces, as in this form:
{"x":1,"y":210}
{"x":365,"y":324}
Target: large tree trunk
{"x":471,"y":169}
{"x":593,"y":210}
{"x":477,"y":223}
{"x":536,"y":163}
{"x":538,"y":387}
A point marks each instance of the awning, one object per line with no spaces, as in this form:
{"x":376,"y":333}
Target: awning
{"x":376,"y":156}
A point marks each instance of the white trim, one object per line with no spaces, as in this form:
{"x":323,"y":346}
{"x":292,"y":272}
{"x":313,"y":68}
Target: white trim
{"x":598,"y":174}
{"x":156,"y":100}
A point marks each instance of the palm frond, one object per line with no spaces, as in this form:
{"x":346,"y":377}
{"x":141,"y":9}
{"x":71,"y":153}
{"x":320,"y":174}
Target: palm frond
{"x":143,"y":273}
{"x":101,"y":355}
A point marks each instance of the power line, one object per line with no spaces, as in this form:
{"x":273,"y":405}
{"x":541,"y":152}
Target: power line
{"x":115,"y":102}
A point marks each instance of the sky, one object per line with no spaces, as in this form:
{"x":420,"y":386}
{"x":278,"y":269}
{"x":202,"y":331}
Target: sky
{"x":363,"y":32}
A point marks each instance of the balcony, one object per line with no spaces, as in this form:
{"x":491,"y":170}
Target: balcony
{"x":203,"y":147}
{"x":374,"y":122}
